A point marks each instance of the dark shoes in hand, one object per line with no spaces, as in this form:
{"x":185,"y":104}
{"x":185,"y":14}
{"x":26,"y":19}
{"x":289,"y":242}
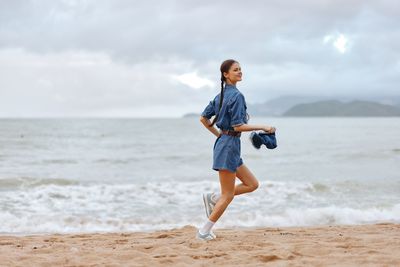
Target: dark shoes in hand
{"x":263,"y":138}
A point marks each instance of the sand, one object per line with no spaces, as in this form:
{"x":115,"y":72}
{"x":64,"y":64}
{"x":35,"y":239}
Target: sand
{"x":356,"y":245}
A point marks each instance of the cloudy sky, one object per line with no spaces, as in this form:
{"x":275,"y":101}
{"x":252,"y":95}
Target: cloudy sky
{"x":161,"y":58}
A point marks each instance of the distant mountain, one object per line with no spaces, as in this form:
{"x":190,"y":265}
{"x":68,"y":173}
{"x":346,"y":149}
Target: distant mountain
{"x":191,"y":115}
{"x":388,"y":100}
{"x":337,"y":108}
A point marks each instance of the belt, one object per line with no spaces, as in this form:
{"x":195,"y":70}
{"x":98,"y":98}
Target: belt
{"x":231,"y":133}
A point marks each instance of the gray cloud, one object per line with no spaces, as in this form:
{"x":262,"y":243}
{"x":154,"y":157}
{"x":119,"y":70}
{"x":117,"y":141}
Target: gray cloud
{"x":133,"y":47}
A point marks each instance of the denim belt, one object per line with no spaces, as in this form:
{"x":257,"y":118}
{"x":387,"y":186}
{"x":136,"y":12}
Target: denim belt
{"x":231,"y":133}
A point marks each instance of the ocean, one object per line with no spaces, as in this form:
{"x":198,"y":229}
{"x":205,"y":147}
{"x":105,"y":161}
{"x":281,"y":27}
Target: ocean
{"x":100,"y":175}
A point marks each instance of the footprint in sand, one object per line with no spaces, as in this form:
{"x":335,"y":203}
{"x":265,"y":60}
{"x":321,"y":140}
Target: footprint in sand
{"x":268,"y":258}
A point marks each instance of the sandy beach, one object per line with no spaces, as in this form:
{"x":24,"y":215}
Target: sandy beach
{"x":359,"y":245}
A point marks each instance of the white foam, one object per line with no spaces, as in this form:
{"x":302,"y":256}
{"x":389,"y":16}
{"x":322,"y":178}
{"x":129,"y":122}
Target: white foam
{"x":161,"y":205}
{"x":314,"y":216}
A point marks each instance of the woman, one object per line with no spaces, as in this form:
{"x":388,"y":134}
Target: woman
{"x":231,"y":118}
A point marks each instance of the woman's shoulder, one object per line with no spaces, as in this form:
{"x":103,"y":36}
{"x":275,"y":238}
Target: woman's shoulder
{"x":236,"y":96}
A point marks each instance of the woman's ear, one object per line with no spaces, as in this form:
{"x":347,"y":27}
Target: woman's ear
{"x":225,"y":74}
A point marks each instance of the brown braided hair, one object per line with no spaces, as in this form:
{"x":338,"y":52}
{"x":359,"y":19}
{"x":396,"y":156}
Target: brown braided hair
{"x":225,"y":66}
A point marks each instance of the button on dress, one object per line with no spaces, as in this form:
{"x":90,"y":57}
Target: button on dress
{"x":226,"y":151}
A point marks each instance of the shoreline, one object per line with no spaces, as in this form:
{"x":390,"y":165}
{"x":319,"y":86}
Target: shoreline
{"x":332,"y":245}
{"x":238,"y":228}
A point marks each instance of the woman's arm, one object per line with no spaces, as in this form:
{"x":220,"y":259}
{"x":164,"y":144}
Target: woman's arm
{"x":207,"y":122}
{"x":249,"y":127}
{"x":237,"y":110}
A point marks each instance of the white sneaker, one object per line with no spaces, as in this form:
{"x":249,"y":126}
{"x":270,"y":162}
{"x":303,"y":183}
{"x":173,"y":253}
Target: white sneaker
{"x":209,"y":203}
{"x":212,"y":234}
{"x":205,"y":237}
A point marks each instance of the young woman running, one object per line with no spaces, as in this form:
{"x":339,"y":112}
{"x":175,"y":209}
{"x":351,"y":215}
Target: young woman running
{"x":229,"y":108}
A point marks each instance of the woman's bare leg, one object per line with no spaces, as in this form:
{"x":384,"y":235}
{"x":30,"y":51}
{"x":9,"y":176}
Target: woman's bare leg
{"x":227,"y":181}
{"x":249,"y":181}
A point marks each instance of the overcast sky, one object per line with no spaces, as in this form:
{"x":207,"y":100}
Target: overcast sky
{"x":161,"y":58}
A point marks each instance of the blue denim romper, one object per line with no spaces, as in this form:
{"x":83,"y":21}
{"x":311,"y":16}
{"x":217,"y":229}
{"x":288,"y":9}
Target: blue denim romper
{"x":226,"y":151}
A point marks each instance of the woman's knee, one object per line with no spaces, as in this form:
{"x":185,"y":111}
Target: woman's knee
{"x":247,"y":178}
{"x":254,"y":185}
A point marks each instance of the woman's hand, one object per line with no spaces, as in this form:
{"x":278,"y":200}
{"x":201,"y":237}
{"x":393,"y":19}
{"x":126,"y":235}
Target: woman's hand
{"x":269,"y":129}
{"x":206,"y":122}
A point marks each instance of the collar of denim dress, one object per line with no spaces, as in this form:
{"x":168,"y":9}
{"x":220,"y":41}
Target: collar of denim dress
{"x":228,"y":86}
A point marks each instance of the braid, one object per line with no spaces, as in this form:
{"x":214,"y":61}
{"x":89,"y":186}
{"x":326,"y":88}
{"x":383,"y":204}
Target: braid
{"x":221,"y":98}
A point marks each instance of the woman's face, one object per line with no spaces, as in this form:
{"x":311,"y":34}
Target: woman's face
{"x":234,"y":74}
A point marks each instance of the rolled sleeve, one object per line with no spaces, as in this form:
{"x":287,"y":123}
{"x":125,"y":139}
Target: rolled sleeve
{"x":238,"y":111}
{"x":209,"y":110}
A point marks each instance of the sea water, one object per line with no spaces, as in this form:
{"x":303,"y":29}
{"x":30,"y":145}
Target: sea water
{"x":97,"y":175}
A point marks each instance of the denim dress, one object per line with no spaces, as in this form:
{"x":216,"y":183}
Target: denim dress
{"x":226,"y":151}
